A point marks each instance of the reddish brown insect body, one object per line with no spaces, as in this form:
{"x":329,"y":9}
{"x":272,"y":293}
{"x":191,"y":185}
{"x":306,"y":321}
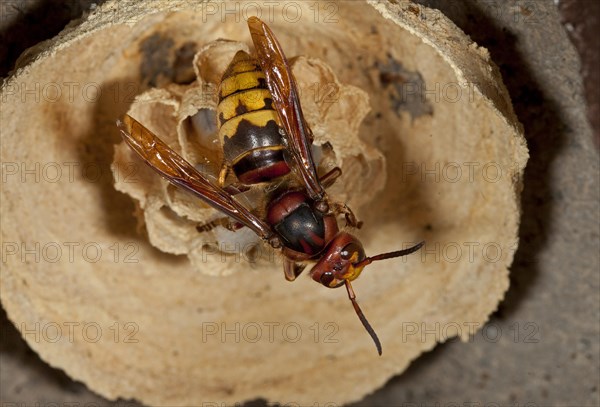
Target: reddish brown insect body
{"x":304,"y":231}
{"x":300,"y":220}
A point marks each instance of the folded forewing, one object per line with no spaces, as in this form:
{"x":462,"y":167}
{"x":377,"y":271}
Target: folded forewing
{"x":175,"y":169}
{"x":283,"y":88}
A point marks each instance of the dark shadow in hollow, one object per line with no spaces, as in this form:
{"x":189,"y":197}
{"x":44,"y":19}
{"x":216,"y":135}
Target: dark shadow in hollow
{"x":29,"y":22}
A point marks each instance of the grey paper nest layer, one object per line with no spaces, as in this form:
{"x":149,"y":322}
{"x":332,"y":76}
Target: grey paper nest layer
{"x":439,"y":156}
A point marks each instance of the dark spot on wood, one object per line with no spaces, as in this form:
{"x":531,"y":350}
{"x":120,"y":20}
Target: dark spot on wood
{"x":406,"y":88}
{"x":183,"y":67}
{"x":156,"y":53}
{"x":387,"y":78}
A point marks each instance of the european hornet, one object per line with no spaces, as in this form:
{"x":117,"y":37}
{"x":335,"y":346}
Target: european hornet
{"x":264,"y":136}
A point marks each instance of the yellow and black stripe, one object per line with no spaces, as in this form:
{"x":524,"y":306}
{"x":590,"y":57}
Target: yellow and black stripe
{"x":248,"y":125}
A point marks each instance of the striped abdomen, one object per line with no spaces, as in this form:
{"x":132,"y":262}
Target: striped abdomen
{"x":248,"y":124}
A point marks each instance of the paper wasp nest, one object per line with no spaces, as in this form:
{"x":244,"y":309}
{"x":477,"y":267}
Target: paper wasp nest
{"x":186,"y":116}
{"x":168,"y":330}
